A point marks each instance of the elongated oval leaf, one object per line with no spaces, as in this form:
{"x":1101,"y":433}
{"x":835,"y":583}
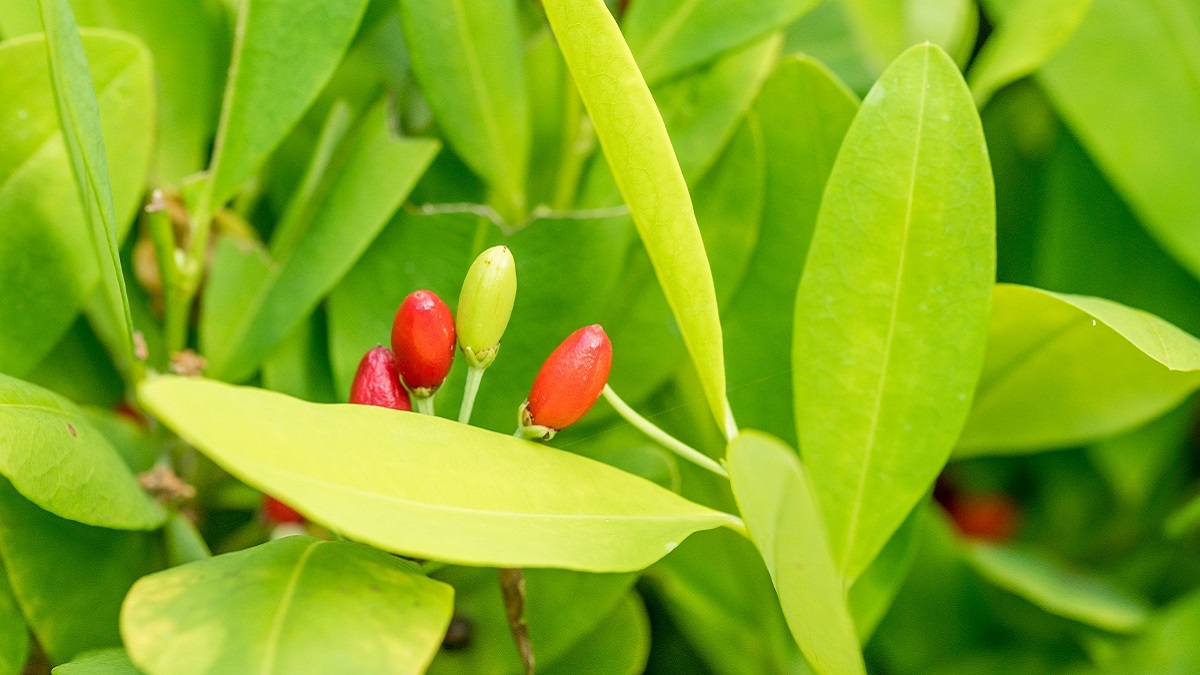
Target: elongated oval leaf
{"x":429,"y":487}
{"x":59,"y":461}
{"x":670,"y":36}
{"x":467,"y":56}
{"x":295,"y":605}
{"x":46,"y":250}
{"x":102,"y":662}
{"x":79,"y":118}
{"x":639,"y":153}
{"x":349,"y":217}
{"x":1065,"y":370}
{"x":891,"y":314}
{"x":784,"y":519}
{"x":286,"y":50}
{"x":1031,"y":34}
{"x":1139,"y":120}
{"x":1058,"y":590}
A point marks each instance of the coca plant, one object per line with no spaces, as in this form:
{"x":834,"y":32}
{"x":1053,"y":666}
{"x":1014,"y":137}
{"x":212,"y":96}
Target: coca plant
{"x":896,"y":358}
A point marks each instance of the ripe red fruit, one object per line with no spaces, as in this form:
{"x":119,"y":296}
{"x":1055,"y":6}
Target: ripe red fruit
{"x":276,"y":512}
{"x":570,"y":381}
{"x":989,"y":517}
{"x":377,"y":382}
{"x":423,"y":340}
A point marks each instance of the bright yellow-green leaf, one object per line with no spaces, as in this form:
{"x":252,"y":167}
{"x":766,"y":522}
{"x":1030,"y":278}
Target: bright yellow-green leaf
{"x":429,"y":487}
{"x":784,"y":520}
{"x":295,"y":605}
{"x":892,"y":310}
{"x":1066,"y":370}
{"x":61,"y":462}
{"x":638,"y":150}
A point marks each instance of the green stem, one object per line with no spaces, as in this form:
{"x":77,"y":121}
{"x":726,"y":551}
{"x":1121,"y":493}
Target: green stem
{"x":474,"y":377}
{"x":424,"y":404}
{"x":162,"y":235}
{"x":661,"y":437}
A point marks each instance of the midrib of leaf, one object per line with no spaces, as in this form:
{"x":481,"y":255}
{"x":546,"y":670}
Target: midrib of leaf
{"x":445,"y":508}
{"x":489,"y":119}
{"x":891,"y":333}
{"x":289,"y":592}
{"x":667,"y":31}
{"x":56,"y":134}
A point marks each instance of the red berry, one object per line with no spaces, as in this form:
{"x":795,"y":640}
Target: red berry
{"x":423,"y":340}
{"x":376,"y":382}
{"x":989,"y":517}
{"x":571,"y":379}
{"x":276,"y":512}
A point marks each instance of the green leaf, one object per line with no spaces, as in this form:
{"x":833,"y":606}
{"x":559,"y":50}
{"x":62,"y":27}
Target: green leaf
{"x":45,"y":249}
{"x":1064,"y":370}
{"x":1031,"y":34}
{"x":784,"y":520}
{"x":280,"y":64}
{"x":294,"y":605}
{"x":639,"y":153}
{"x":58,"y":460}
{"x":511,"y":503}
{"x":1058,"y":590}
{"x":1139,"y":120}
{"x":668,"y":37}
{"x":884,"y":28}
{"x":719,"y":594}
{"x":872,"y":594}
{"x":619,"y":645}
{"x":1164,"y":647}
{"x":69,"y":578}
{"x":351,"y":215}
{"x":891,"y":314}
{"x":79,"y":118}
{"x":103,"y":662}
{"x":803,"y":112}
{"x":300,"y":366}
{"x":467,"y":57}
{"x":562,"y":608}
{"x":14,"y":636}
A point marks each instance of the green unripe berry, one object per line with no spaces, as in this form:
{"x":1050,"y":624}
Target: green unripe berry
{"x":485,"y":305}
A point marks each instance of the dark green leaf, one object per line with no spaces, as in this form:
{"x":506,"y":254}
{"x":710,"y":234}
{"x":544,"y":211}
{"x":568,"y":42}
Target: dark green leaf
{"x":294,"y":605}
{"x":14,"y":636}
{"x":619,"y":645}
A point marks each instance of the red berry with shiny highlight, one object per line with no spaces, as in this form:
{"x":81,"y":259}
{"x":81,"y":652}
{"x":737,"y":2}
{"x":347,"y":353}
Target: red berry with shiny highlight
{"x":423,"y":340}
{"x":571,"y":379}
{"x":377,"y":382}
{"x":276,"y":512}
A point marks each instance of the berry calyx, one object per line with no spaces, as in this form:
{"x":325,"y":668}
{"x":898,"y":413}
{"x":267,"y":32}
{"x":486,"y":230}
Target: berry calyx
{"x":485,"y":305}
{"x":377,"y":382}
{"x":568,"y":384}
{"x":423,"y":340}
{"x":276,"y":512}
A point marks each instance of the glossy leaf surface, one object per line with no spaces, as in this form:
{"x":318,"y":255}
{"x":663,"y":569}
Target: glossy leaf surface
{"x":638,"y":150}
{"x":891,"y":314}
{"x":511,"y":503}
{"x":784,"y":520}
{"x":1064,"y":370}
{"x":467,"y":56}
{"x":45,"y":246}
{"x":1059,"y":590}
{"x":294,"y":605}
{"x":48,"y":443}
{"x":279,"y":66}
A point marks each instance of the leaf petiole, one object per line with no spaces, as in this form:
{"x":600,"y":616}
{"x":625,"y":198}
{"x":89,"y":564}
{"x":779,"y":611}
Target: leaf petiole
{"x":661,"y":437}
